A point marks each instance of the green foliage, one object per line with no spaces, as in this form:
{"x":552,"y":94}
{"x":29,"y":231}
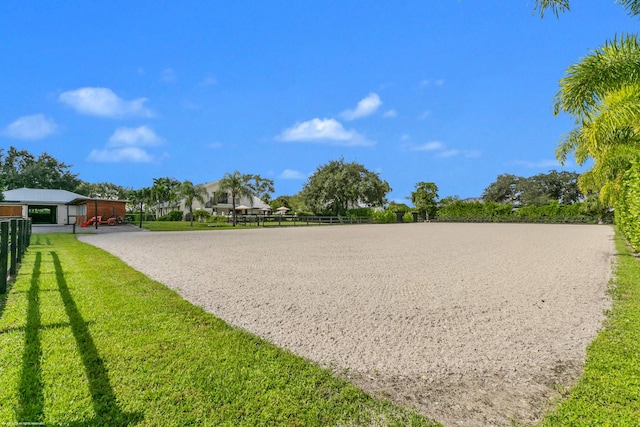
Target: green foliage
{"x":538,"y":190}
{"x":627,"y":213}
{"x":407,"y":217}
{"x":21,"y":169}
{"x":201,"y":214}
{"x":337,"y":186}
{"x":464,"y":209}
{"x":261,"y":187}
{"x":83,"y":348}
{"x":165,"y":190}
{"x":218,"y":219}
{"x":425,"y":198}
{"x":189,"y":192}
{"x":360,"y":212}
{"x":385,"y":217}
{"x":237,"y":186}
{"x":553,"y":208}
{"x":398,"y":207}
{"x":104,"y":190}
{"x":172,"y":216}
{"x":553,"y":212}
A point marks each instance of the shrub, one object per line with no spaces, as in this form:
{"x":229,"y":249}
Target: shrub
{"x":218,"y":219}
{"x":172,"y":216}
{"x":360,"y":212}
{"x":199,"y":215}
{"x":407,"y":217}
{"x":384,"y":217}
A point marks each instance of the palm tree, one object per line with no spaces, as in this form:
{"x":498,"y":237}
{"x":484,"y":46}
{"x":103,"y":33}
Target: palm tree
{"x":165,"y":190}
{"x":234,"y":184}
{"x":141,"y":198}
{"x":559,"y":6}
{"x":602,"y":94}
{"x":189,"y":193}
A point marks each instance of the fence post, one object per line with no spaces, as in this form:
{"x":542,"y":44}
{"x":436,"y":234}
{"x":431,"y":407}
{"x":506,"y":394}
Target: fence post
{"x":20,"y":240}
{"x":28,"y":232}
{"x":13,"y":267}
{"x":4,"y":254}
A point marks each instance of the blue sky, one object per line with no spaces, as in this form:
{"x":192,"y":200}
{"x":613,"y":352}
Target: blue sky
{"x":452,"y":92}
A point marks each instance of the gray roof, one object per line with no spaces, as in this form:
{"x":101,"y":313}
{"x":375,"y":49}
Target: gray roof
{"x":33,"y":195}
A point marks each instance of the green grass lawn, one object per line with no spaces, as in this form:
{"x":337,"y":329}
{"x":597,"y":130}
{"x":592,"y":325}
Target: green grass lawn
{"x":609,"y":392}
{"x":87,"y":341}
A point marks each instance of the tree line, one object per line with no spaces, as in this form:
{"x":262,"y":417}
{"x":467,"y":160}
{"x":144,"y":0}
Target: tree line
{"x":335,"y":188}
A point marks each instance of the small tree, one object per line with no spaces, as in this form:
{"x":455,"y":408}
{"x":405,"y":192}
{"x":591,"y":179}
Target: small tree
{"x":425,"y":198}
{"x":234,"y":184}
{"x":189,"y":193}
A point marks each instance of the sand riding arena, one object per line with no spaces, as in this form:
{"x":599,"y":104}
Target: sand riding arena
{"x":471,"y":324}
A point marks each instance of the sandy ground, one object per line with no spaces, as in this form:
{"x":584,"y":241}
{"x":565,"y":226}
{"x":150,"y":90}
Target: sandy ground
{"x":472,"y":324}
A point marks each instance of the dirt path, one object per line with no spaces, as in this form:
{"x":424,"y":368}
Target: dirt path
{"x":472,"y":324}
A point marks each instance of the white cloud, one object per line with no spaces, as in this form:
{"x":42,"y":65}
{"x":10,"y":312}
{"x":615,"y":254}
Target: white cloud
{"x":441,"y":150}
{"x":140,"y":136}
{"x":126,"y":146}
{"x":120,"y":155}
{"x":292,"y":174}
{"x":36,"y":126}
{"x":424,"y":115}
{"x":324,"y":130}
{"x":429,"y":146}
{"x":391,"y":113}
{"x":100,"y":101}
{"x":209,"y":80}
{"x":168,"y":75}
{"x":430,"y":82}
{"x":366,"y":107}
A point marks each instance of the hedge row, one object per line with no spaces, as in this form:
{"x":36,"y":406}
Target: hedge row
{"x":628,"y":207}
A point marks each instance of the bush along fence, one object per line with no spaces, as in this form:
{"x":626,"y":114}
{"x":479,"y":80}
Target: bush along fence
{"x":15,"y":236}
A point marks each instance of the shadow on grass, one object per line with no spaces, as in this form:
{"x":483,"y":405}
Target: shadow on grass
{"x":31,"y":399}
{"x":103,"y":398}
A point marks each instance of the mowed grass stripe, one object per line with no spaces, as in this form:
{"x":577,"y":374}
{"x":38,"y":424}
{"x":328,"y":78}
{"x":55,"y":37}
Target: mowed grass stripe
{"x":86,"y":340}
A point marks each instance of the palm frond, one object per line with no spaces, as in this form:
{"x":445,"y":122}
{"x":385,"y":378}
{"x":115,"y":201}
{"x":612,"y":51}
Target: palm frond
{"x":556,"y":6}
{"x":604,"y":70}
{"x":632,"y":6}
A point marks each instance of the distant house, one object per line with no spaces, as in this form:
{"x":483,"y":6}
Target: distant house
{"x":219,"y":203}
{"x":60,"y":207}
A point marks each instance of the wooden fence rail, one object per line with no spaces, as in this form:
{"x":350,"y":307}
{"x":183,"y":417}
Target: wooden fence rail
{"x":279,"y":220}
{"x":15,"y":237}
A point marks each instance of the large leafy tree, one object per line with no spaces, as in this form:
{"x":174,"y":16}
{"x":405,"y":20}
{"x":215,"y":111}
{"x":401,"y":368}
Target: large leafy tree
{"x":337,"y":186}
{"x":22,"y":169}
{"x":236,"y":186}
{"x":104,"y":190}
{"x":189,"y":193}
{"x":503,"y":190}
{"x":261,"y":187}
{"x":538,"y":190}
{"x":425,"y":198}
